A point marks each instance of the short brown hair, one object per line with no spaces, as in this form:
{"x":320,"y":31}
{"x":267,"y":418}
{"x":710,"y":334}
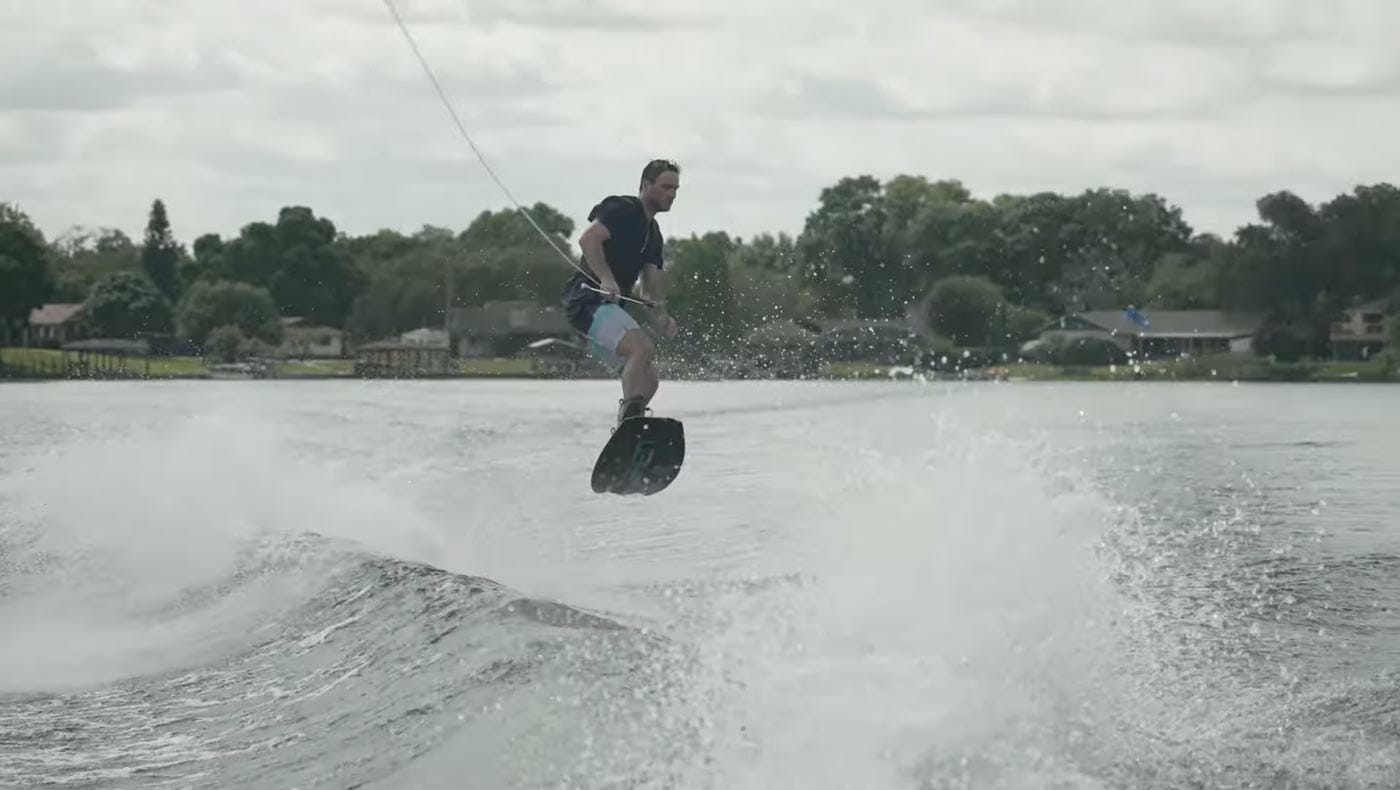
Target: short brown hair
{"x":656,"y":167}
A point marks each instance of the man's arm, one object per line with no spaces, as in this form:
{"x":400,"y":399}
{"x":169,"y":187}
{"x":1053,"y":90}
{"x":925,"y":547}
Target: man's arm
{"x":592,"y":243}
{"x":651,"y":286}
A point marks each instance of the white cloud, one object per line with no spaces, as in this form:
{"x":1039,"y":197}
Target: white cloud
{"x":230,"y":111}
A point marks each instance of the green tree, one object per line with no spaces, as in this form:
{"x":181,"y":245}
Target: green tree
{"x":967,"y":310}
{"x":126,"y":305}
{"x":1124,"y":235}
{"x":769,"y":252}
{"x":1362,"y":240}
{"x":160,"y":254}
{"x":767,"y":284}
{"x":1094,"y":250}
{"x":503,"y":257}
{"x":699,"y":292}
{"x":494,"y":230}
{"x":223,"y":343}
{"x":210,"y":305}
{"x":82,"y":257}
{"x":1037,"y":239}
{"x":1181,"y":281}
{"x":1017,"y":324}
{"x":25,"y":278}
{"x":297,"y":259}
{"x":844,"y":253}
{"x":951,"y":233}
{"x":1279,"y":266}
{"x":408,"y":278}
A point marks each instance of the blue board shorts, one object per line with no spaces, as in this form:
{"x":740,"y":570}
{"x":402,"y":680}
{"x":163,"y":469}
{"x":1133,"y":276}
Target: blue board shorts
{"x":610,"y":323}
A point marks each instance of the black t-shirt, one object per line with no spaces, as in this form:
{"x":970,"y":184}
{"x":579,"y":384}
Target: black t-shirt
{"x":633,"y":241}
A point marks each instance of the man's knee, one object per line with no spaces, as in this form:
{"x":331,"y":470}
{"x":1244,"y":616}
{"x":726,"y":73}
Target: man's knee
{"x":636,"y":344}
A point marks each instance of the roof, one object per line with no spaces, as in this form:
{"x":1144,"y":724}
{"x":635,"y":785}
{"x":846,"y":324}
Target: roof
{"x":425,"y":336}
{"x":306,"y":324}
{"x":399,"y":345}
{"x":1174,"y":323}
{"x":1373,"y":306}
{"x":54,"y":314}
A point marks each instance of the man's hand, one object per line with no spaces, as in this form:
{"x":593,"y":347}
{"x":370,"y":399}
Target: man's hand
{"x":668,"y":325}
{"x":610,"y":286}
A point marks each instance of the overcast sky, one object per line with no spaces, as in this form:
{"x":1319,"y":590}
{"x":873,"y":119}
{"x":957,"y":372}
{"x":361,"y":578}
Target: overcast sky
{"x":230,"y":109}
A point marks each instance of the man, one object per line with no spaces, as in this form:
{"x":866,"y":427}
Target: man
{"x":623,"y":243}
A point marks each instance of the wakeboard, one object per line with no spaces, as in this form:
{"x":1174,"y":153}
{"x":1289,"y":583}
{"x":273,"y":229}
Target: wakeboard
{"x":643,"y":456}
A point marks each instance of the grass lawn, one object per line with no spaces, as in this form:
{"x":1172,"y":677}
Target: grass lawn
{"x":1223,"y":367}
{"x":49,"y":359}
{"x":31,"y":357}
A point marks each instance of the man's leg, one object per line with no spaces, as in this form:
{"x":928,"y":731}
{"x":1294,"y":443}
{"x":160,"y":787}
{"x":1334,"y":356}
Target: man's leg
{"x":622,"y":345}
{"x":639,"y":379}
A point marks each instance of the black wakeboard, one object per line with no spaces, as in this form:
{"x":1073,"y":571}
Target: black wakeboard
{"x":643,"y":456}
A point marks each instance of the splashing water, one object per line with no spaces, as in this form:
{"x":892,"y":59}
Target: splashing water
{"x":899,"y":586}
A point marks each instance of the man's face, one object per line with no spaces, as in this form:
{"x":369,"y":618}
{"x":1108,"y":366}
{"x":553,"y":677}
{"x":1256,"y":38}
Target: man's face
{"x":661,"y":193}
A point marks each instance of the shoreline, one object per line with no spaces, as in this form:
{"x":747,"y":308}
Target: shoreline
{"x":31,"y":365}
{"x":895,"y":375}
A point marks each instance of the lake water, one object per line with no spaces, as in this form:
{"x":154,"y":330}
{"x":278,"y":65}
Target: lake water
{"x":399,"y":584}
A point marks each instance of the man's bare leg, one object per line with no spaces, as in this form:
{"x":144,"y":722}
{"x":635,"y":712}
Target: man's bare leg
{"x":639,"y":378}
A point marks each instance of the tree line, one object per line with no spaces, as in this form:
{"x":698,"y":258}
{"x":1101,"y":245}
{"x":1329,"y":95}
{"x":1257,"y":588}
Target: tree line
{"x":980,"y":272}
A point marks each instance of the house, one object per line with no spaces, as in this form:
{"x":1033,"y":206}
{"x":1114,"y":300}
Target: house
{"x":55,"y":324}
{"x":505,"y":328}
{"x":1161,"y":333}
{"x":425,"y":336}
{"x":302,"y":338}
{"x":1360,"y":331}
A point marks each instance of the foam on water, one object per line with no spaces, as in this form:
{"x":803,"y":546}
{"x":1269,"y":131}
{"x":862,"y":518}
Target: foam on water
{"x":945,"y":610}
{"x":904,"y":601}
{"x":933,"y":615}
{"x":133,"y":552}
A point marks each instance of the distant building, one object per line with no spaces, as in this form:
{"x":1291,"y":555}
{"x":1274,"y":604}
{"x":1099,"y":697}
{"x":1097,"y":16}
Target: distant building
{"x":302,"y":338}
{"x":1162,"y":333}
{"x":1360,"y":331}
{"x":425,"y":336}
{"x":55,"y":324}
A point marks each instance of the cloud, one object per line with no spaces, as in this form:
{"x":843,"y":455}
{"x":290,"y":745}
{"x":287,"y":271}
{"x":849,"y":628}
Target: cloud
{"x":230,"y":111}
{"x":1197,"y":23}
{"x":586,"y":15}
{"x":52,"y":70}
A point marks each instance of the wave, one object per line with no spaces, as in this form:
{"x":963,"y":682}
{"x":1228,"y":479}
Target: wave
{"x":372,"y":668}
{"x":939,"y":608}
